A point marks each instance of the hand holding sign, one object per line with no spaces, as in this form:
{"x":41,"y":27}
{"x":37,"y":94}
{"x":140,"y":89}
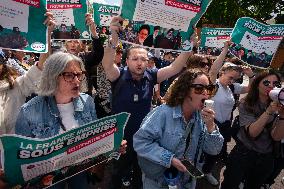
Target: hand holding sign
{"x":115,"y":28}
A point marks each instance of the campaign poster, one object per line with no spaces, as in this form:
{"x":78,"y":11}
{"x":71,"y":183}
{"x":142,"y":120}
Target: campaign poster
{"x":21,"y":25}
{"x":40,"y":163}
{"x":103,"y":15}
{"x":255,"y":43}
{"x":161,"y":24}
{"x":69,"y":17}
{"x":212,"y":40}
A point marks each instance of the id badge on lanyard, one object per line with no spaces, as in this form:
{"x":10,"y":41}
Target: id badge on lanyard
{"x":135,"y":98}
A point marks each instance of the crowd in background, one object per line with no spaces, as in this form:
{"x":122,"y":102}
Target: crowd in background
{"x":77,"y":82}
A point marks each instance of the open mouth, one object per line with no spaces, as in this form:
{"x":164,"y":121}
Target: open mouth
{"x":75,"y":88}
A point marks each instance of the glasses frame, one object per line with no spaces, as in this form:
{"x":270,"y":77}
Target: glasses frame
{"x":83,"y":73}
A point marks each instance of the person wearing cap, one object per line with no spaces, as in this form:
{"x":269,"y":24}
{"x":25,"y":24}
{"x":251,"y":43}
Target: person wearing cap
{"x":132,"y":90}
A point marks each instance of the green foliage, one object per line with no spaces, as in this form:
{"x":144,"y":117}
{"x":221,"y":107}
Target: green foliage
{"x":225,"y":13}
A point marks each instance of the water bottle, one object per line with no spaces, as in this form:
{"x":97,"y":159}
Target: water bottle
{"x":172,"y":184}
{"x":171,"y":176}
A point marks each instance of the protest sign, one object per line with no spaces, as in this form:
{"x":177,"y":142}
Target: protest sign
{"x":163,"y":24}
{"x":70,"y":21}
{"x":21,"y":25}
{"x":256,"y":43}
{"x":103,"y":15}
{"x":212,"y":40}
{"x":43,"y":162}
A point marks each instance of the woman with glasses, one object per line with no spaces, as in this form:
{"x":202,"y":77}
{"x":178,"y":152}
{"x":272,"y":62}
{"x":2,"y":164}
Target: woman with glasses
{"x":60,"y":106}
{"x":251,"y":159}
{"x":179,"y":129}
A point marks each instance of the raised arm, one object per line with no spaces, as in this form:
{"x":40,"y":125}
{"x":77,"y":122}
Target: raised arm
{"x":50,"y":23}
{"x":111,"y":69}
{"x":96,"y":55}
{"x":218,"y":63}
{"x":256,"y":127}
{"x":174,"y":68}
{"x":248,"y":71}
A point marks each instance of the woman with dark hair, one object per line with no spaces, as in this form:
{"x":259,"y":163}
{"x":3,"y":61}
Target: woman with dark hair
{"x":199,"y":61}
{"x":179,"y":129}
{"x":251,"y":159}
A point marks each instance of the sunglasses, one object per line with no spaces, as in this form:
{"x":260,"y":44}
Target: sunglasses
{"x":199,"y":89}
{"x":274,"y":83}
{"x":204,"y":64}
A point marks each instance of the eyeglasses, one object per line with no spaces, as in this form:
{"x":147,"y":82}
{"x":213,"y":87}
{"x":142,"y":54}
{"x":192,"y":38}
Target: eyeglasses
{"x":274,"y":83}
{"x":70,"y":76}
{"x":199,"y":89}
{"x":142,"y":59}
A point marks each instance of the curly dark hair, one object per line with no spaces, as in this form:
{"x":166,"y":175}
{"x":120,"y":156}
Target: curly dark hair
{"x":252,"y":97}
{"x":180,"y":88}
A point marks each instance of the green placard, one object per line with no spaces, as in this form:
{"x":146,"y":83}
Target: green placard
{"x":212,"y":40}
{"x":43,"y":162}
{"x":21,"y":25}
{"x":176,"y":19}
{"x":70,"y":21}
{"x":256,"y":43}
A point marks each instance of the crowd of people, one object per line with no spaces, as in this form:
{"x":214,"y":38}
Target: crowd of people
{"x":165,"y":95}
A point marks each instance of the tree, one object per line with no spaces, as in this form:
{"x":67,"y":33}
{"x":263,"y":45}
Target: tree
{"x":226,"y":12}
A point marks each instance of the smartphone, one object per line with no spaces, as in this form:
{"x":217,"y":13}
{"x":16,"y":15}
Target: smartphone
{"x":192,"y":170}
{"x":208,"y":104}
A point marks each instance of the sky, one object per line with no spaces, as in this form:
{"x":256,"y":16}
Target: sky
{"x":110,"y":2}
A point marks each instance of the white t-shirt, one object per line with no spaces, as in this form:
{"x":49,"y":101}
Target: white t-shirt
{"x":224,"y":101}
{"x":67,"y":116}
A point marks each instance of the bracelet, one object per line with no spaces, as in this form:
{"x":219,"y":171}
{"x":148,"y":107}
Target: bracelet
{"x":252,"y":76}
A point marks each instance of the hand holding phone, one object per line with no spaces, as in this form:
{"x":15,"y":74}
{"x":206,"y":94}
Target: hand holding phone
{"x":191,"y":169}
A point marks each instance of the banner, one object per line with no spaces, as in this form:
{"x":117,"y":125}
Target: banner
{"x":103,"y":15}
{"x":70,"y":20}
{"x":162,"y":24}
{"x":44,"y":162}
{"x":256,"y":43}
{"x":212,"y":40}
{"x":21,"y":25}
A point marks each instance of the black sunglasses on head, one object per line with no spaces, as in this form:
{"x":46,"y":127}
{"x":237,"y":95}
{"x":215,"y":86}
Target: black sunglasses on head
{"x":274,"y":83}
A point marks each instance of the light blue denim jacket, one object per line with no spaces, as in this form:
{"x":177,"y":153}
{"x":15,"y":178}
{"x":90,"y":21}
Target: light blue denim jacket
{"x":163,"y":135}
{"x":39,"y":118}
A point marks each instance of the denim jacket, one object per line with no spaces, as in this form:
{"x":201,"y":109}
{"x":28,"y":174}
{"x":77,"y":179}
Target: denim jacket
{"x":162,"y":136}
{"x":40,"y":117}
